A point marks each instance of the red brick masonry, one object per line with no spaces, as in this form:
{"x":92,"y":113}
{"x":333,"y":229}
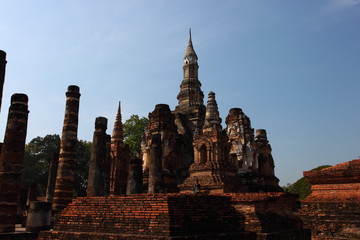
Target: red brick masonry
{"x":332,"y":210}
{"x":180,"y":216}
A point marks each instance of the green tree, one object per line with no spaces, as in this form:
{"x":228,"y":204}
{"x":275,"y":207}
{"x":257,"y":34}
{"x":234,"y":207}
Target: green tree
{"x":82,"y":168}
{"x":37,"y":158}
{"x":133,"y":131}
{"x":302,"y":187}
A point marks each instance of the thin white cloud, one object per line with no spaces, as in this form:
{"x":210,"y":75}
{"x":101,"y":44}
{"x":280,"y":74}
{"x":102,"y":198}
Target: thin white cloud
{"x":334,"y":5}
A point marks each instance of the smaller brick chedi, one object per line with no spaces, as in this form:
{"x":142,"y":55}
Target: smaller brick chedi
{"x":211,"y":168}
{"x":332,"y":210}
{"x":120,"y":158}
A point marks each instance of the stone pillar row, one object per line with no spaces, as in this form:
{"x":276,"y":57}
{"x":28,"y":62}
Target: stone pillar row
{"x":60,"y":187}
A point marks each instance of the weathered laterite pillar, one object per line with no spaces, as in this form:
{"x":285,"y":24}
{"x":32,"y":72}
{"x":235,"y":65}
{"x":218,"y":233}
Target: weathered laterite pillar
{"x":11,"y":162}
{"x":108,"y":165}
{"x":64,"y":185}
{"x":39,"y":216}
{"x":155,"y":179}
{"x":2,"y":73}
{"x":31,"y":196}
{"x":52,"y":177}
{"x":135,"y":180}
{"x":99,"y":166}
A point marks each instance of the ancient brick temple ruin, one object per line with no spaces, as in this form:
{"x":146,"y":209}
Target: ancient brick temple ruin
{"x":202,"y":181}
{"x":194,"y":178}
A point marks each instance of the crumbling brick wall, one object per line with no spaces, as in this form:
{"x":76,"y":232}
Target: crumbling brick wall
{"x":332,"y":210}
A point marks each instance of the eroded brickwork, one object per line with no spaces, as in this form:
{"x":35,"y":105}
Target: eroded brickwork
{"x":202,"y":153}
{"x":155,"y":170}
{"x":120,"y":158}
{"x":242,"y":152}
{"x":332,"y":210}
{"x":64,"y":185}
{"x":191,"y":97}
{"x":11,"y":162}
{"x":32,"y":192}
{"x":50,"y":188}
{"x":163,"y":152}
{"x":189,"y":114}
{"x":180,"y":216}
{"x":211,"y":168}
{"x":267,"y":180}
{"x":135,"y":179}
{"x":99,"y":165}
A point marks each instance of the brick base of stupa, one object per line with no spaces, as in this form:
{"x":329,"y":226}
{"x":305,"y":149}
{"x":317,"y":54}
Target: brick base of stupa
{"x":180,"y":216}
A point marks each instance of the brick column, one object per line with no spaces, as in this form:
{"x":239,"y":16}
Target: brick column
{"x":99,"y":166}
{"x":108,"y":166}
{"x":2,"y":73}
{"x":155,"y":180}
{"x":39,"y":216}
{"x":11,"y":162}
{"x":32,"y":191}
{"x":135,"y":179}
{"x":50,"y":188}
{"x":64,"y":185}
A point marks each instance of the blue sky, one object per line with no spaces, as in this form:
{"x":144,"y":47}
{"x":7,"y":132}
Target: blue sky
{"x":292,"y":66}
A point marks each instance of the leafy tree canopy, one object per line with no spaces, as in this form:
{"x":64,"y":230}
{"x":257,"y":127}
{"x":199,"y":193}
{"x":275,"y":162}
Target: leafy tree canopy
{"x":82,"y":167}
{"x":133,"y":131}
{"x":38,"y":153}
{"x":302,"y":187}
{"x":37,"y":156}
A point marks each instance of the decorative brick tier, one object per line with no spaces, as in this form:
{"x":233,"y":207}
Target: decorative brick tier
{"x":332,"y":210}
{"x":180,"y":216}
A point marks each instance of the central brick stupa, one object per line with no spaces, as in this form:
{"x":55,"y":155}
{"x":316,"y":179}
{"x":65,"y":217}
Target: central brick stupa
{"x":193,"y":148}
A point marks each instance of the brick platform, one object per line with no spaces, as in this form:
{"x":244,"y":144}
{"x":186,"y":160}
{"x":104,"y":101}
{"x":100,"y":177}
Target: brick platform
{"x":180,"y":216}
{"x":332,"y":210}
